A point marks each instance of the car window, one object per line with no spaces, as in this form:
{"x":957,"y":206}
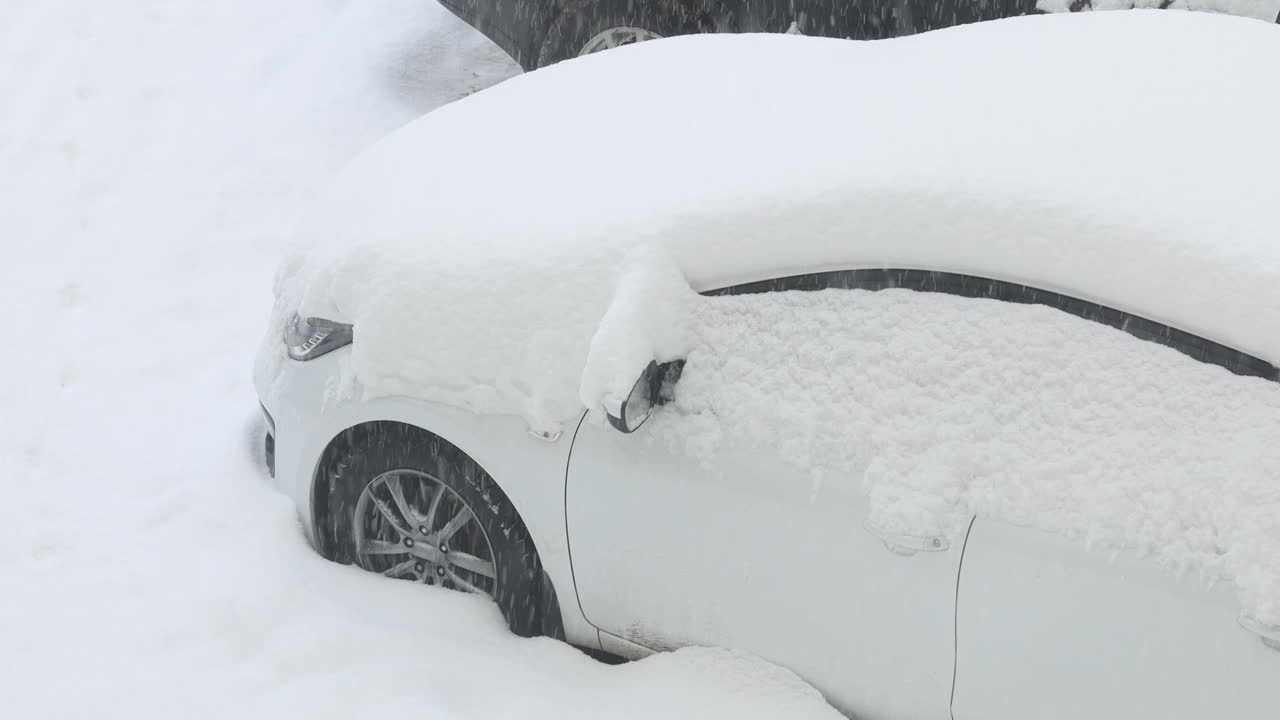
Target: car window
{"x":971,"y":286}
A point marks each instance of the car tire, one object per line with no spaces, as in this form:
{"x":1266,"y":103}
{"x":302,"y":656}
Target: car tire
{"x":422,"y":468}
{"x":580,"y":22}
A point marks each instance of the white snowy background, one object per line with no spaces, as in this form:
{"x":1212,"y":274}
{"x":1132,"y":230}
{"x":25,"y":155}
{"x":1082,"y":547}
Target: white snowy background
{"x":154,"y":156}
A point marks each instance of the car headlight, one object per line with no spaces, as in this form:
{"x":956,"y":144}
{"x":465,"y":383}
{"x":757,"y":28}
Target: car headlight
{"x":309,"y":338}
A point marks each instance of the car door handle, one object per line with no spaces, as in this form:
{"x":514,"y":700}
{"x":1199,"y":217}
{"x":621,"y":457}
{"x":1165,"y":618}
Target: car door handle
{"x":907,"y":545}
{"x":1268,"y":634}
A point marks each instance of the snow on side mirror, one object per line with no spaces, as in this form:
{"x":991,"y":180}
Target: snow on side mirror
{"x":639,"y":404}
{"x":653,"y":388}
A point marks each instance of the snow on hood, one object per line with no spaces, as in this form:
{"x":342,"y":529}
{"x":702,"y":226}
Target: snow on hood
{"x":1126,"y":158}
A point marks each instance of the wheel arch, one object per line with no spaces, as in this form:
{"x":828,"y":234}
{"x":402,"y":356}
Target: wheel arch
{"x":365,"y":431}
{"x":348,"y":439}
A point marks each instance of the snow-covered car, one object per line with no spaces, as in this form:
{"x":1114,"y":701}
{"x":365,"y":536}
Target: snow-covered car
{"x":941,"y":371}
{"x":537,"y":33}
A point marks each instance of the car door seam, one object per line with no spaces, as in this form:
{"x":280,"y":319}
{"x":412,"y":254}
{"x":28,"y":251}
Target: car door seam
{"x":955,"y":623}
{"x":568,"y":544}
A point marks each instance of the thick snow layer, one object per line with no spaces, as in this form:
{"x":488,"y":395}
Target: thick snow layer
{"x":153,"y":159}
{"x":948,"y":407}
{"x":646,"y":321}
{"x":1127,"y":158}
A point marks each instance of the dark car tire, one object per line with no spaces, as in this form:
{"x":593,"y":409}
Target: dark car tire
{"x":520,"y":588}
{"x":582,"y":20}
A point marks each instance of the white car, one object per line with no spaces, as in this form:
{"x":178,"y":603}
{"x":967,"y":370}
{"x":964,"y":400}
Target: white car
{"x":941,"y":371}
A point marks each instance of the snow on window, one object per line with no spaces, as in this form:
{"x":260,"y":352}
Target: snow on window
{"x":948,"y":407}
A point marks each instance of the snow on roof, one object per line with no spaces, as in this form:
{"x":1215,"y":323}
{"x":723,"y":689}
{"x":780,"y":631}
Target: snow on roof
{"x":1131,"y":159}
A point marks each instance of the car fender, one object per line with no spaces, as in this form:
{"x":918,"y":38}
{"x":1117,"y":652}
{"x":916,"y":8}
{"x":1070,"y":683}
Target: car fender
{"x":310,"y":414}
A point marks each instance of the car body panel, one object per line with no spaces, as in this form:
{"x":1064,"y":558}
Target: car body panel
{"x":623,"y":647}
{"x":516,"y":27}
{"x":1049,"y":630}
{"x":301,"y":398}
{"x":743,"y":551}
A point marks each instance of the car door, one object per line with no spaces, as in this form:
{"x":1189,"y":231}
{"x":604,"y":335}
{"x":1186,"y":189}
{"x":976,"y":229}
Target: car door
{"x":743,"y":552}
{"x":730,"y":545}
{"x":1051,"y":631}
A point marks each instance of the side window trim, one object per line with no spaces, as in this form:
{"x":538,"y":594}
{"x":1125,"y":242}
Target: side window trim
{"x":971,"y":286}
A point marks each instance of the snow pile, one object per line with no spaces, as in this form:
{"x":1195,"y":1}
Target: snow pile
{"x":1126,"y":158}
{"x":948,"y":407}
{"x":153,"y":158}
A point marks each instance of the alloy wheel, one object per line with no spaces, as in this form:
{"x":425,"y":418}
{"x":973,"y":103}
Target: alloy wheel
{"x":617,"y":37}
{"x":410,"y":525}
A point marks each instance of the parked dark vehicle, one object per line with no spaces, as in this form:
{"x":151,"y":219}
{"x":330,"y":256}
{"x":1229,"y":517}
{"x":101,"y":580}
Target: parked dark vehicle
{"x":538,"y":33}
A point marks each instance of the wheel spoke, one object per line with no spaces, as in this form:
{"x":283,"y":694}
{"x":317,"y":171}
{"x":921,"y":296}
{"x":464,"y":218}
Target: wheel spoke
{"x":430,"y":520}
{"x":466,"y":561}
{"x":382,"y":547}
{"x":421,"y":541}
{"x":461,"y":584}
{"x":426,"y":552}
{"x":385,"y":511}
{"x":393,"y":484}
{"x":400,"y":568}
{"x":454,"y":525}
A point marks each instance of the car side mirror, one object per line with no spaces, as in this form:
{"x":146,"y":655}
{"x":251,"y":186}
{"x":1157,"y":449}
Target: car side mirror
{"x":653,"y":388}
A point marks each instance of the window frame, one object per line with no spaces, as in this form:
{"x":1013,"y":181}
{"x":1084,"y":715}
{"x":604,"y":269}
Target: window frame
{"x":972,"y":286}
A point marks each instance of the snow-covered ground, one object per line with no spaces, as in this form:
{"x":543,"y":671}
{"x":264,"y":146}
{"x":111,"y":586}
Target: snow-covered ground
{"x":153,"y":158}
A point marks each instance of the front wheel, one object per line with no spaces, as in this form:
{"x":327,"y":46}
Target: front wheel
{"x":616,"y":36}
{"x":584,"y":28}
{"x":416,"y":508}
